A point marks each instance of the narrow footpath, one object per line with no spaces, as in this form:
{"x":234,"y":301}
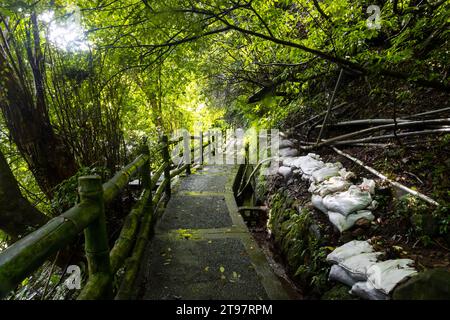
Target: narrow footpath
{"x":202,"y":248}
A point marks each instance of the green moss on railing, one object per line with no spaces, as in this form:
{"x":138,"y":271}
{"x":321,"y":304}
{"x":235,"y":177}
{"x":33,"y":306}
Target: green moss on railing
{"x":27,"y":254}
{"x":126,"y":239}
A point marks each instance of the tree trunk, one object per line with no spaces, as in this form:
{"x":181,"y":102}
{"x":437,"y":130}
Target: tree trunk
{"x":46,"y":155}
{"x":17,"y":216}
{"x":23,"y":103}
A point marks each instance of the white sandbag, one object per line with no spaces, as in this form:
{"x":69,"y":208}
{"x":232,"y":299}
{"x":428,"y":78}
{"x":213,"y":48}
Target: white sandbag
{"x":338,"y":220}
{"x":347,"y":175}
{"x":347,"y":202}
{"x":286,"y":172}
{"x":309,"y":165}
{"x":306,"y":163}
{"x":270,"y":170}
{"x":385,"y":275}
{"x":373,"y":205}
{"x":314,"y":156}
{"x":358,"y":265}
{"x":289,"y":161}
{"x":351,"y":248}
{"x":343,"y":223}
{"x":328,"y":171}
{"x":285,"y":143}
{"x":332,"y":185}
{"x":360,"y":214}
{"x":339,"y":274}
{"x":317,"y":202}
{"x":313,"y":187}
{"x":365,"y":290}
{"x":368,"y":185}
{"x":288,"y":152}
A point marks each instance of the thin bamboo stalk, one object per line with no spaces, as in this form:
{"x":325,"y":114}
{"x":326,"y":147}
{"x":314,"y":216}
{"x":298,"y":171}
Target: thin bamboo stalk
{"x":384,"y":178}
{"x":427,"y":113}
{"x":382,"y":127}
{"x":325,"y":119}
{"x":319,"y":115}
{"x":363,"y":122}
{"x":390,"y":136}
{"x":239,"y":193}
{"x":260,"y":208}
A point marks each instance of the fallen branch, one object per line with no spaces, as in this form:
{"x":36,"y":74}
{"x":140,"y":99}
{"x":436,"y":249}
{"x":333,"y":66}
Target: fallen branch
{"x":252,"y":174}
{"x":390,"y":136}
{"x":384,"y":178}
{"x":379,"y":145}
{"x":260,"y":208}
{"x":363,"y":122}
{"x":319,"y":115}
{"x":327,"y":115}
{"x":384,"y":121}
{"x":427,"y":113}
{"x":382,"y":127}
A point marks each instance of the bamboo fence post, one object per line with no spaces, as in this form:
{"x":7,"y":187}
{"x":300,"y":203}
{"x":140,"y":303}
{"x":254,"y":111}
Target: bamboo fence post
{"x":166,"y":160}
{"x":213,"y":143}
{"x":146,"y":175}
{"x":96,"y":238}
{"x":201,"y":148}
{"x":247,"y":153}
{"x":187,"y":150}
{"x":145,"y":169}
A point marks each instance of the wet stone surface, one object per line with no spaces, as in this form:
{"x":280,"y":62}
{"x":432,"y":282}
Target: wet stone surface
{"x":204,"y":183}
{"x":204,"y":269}
{"x":202,"y":248}
{"x":195,"y":212}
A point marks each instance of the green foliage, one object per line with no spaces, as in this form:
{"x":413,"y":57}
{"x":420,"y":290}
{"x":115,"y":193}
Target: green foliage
{"x":304,"y":252}
{"x":66,"y":194}
{"x":3,"y":239}
{"x":426,"y":221}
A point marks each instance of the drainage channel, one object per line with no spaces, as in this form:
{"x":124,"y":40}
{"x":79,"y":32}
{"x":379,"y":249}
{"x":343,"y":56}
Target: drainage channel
{"x":255,"y":216}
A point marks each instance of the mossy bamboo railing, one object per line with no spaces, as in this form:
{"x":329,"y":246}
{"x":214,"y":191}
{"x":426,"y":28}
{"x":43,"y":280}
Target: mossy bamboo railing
{"x":23,"y":257}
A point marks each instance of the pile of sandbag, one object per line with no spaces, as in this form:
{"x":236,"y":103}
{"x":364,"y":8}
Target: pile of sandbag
{"x":346,"y":205}
{"x":332,"y":193}
{"x":357,"y":265}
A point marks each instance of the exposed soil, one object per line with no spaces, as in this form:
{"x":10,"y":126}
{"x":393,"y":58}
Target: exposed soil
{"x":420,"y":163}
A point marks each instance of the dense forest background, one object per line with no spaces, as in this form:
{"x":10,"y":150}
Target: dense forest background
{"x":82,"y":82}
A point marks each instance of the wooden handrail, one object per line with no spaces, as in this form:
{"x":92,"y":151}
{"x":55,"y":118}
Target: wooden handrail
{"x":179,"y":139}
{"x":26,"y":255}
{"x":125,"y":241}
{"x":112,"y":187}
